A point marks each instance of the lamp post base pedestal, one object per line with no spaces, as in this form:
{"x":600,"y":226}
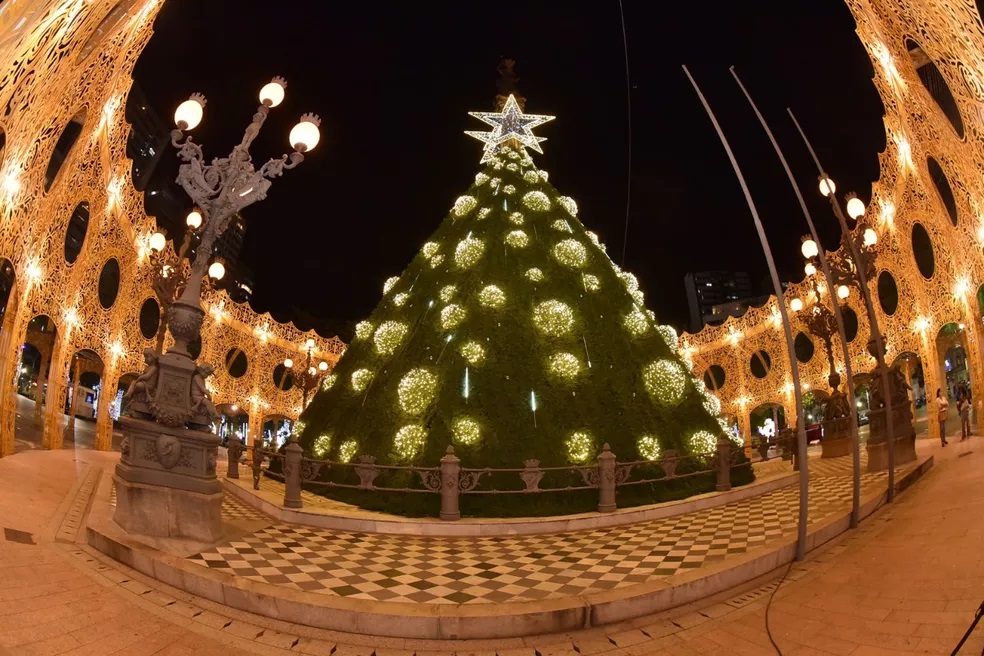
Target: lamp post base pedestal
{"x":905,"y":452}
{"x":166,"y":484}
{"x":166,"y":512}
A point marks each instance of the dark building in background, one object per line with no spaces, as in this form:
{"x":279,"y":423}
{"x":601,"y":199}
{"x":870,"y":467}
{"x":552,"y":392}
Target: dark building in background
{"x":713,"y":296}
{"x":238,"y":280}
{"x":149,"y":136}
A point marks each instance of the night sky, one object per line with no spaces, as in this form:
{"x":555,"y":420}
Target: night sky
{"x":393,"y":82}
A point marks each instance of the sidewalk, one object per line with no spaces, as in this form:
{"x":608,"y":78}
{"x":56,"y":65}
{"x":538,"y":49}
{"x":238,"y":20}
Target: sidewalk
{"x":908,"y":581}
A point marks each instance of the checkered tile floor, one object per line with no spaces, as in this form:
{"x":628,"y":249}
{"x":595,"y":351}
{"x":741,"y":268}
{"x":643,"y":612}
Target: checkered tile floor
{"x":512,"y":569}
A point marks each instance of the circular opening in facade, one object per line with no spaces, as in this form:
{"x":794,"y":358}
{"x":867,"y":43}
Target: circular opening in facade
{"x":943,"y":188}
{"x":760,"y":364}
{"x":803,"y":347}
{"x":922,"y":251}
{"x":888,"y":293}
{"x":236,"y":363}
{"x":714,"y":377}
{"x":109,"y":283}
{"x":150,"y":318}
{"x":78,"y":225}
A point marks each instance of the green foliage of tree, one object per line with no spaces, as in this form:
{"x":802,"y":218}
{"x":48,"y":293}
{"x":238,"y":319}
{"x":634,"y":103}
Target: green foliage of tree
{"x":512,"y":305}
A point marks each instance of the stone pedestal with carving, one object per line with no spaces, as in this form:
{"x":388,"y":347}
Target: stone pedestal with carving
{"x":905,"y":438}
{"x":165,"y":482}
{"x":836,"y":440}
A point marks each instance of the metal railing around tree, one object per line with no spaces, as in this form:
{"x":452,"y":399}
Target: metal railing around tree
{"x":451,"y":481}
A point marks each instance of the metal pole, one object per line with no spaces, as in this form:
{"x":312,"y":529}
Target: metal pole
{"x":793,"y":365}
{"x":838,"y":316}
{"x":870,"y":308}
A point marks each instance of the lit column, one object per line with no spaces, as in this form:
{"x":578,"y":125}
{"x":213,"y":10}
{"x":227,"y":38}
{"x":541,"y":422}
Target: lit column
{"x":43,"y":363}
{"x":11,"y":338}
{"x":54,"y":407}
{"x":104,"y":422}
{"x":931,"y":376}
{"x":907,"y":370}
{"x":74,"y":401}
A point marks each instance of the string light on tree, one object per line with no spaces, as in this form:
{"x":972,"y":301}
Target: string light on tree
{"x":468,"y":252}
{"x":363,"y":330}
{"x":360,"y":379}
{"x":408,"y":441}
{"x":562,"y":225}
{"x":389,"y":336}
{"x":347,"y":449}
{"x":452,"y":316}
{"x":670,"y":336}
{"x":466,"y":431}
{"x":531,"y":177}
{"x":553,"y":318}
{"x":416,"y":391}
{"x":591,"y":282}
{"x":568,"y":204}
{"x":481,"y":178}
{"x":517,"y":218}
{"x":649,"y":447}
{"x":322,"y":445}
{"x":564,"y":366}
{"x":534,"y":274}
{"x":517,"y":239}
{"x":536,"y":201}
{"x":665,"y":380}
{"x":636,"y":323}
{"x":631,"y":282}
{"x":580,"y":446}
{"x":388,"y":285}
{"x":492,"y":297}
{"x":464,"y":206}
{"x":472,"y":352}
{"x":711,"y":403}
{"x":509,"y":189}
{"x":571,"y":253}
{"x":430,"y":249}
{"x":512,"y":166}
{"x":436,"y":261}
{"x":703,"y":441}
{"x":447,"y":293}
{"x":329,"y":381}
{"x":400,"y":299}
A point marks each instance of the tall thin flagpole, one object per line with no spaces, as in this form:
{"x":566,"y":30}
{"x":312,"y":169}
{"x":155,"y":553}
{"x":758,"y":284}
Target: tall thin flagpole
{"x":876,"y":334}
{"x":804,"y":478}
{"x":855,"y":442}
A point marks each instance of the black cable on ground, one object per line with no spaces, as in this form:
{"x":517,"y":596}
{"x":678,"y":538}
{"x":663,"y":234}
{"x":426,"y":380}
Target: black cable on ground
{"x":977,"y":618}
{"x":768,"y":606}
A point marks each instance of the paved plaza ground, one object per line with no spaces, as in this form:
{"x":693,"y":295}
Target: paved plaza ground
{"x":908,"y":581}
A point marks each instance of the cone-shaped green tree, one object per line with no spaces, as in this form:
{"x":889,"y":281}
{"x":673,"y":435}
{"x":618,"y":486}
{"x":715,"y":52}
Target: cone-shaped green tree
{"x":511,"y":335}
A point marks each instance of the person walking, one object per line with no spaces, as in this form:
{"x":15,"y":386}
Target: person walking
{"x":941,"y":407}
{"x":963,"y":409}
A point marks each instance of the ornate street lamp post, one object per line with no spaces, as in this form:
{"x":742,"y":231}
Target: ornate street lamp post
{"x":857,"y":268}
{"x":309,"y":377}
{"x":171,"y":274}
{"x":168,"y":451}
{"x":840,"y":422}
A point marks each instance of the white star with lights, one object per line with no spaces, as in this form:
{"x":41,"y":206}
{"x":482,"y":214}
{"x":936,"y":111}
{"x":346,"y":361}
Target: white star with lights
{"x":511,"y":123}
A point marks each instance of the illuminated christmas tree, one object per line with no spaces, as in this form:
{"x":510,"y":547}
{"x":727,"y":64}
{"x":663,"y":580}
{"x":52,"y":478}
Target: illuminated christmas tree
{"x":511,"y":335}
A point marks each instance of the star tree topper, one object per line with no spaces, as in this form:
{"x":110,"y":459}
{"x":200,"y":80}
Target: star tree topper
{"x":509,"y":124}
